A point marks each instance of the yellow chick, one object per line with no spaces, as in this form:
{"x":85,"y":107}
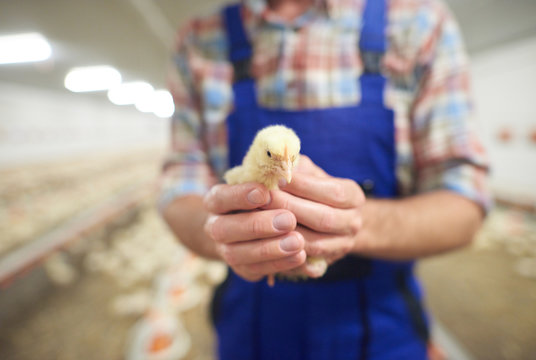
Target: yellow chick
{"x":272,"y":156}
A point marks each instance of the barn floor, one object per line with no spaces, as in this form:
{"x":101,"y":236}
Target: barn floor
{"x":484,"y":295}
{"x":483,"y":302}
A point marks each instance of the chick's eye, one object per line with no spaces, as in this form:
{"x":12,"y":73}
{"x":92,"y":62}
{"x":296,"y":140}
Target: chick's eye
{"x":269,"y":154}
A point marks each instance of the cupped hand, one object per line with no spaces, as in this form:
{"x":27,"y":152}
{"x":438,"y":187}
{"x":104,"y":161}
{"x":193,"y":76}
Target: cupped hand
{"x":327,"y":209}
{"x":253,"y":242}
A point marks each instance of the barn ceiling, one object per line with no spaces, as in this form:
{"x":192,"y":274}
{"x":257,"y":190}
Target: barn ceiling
{"x":134,"y":35}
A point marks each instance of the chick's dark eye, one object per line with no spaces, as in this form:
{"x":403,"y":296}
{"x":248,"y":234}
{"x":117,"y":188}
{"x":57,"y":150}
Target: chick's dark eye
{"x":269,"y":153}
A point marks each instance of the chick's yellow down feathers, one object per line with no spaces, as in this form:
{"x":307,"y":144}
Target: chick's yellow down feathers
{"x":272,"y":156}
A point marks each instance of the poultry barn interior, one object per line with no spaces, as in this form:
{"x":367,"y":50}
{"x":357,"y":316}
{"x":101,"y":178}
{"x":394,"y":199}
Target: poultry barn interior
{"x":86,"y":262}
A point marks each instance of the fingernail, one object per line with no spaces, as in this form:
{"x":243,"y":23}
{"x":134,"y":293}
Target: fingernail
{"x":290,"y":244}
{"x":255,"y":197}
{"x":283,"y":221}
{"x":282,"y":183}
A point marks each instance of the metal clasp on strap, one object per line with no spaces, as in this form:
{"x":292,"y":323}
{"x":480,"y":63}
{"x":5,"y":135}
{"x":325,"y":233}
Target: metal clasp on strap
{"x":242,"y":69}
{"x":372,"y":61}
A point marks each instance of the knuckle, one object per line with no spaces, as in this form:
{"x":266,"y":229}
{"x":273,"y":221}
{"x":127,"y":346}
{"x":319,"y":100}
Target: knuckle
{"x":280,"y":200}
{"x":286,"y":203}
{"x":338,"y":192}
{"x":228,"y":255}
{"x":355,"y":225}
{"x":215,"y":231}
{"x":256,"y":226}
{"x":315,"y":250}
{"x":280,"y":265}
{"x":360,"y":198}
{"x":357,"y":196}
{"x":210,"y":199}
{"x":264,"y":251}
{"x":237,"y":193}
{"x":209,"y":226}
{"x":346,"y":247}
{"x":288,"y":263}
{"x":327,"y":221}
{"x":254,"y":270}
{"x":208,"y":203}
{"x":353,"y":195}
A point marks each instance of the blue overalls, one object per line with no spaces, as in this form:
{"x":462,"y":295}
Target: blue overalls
{"x":362,"y":308}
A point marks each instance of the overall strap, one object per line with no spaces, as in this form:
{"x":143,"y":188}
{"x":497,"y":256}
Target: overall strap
{"x":240,"y":51}
{"x":374,"y":24}
{"x":373,"y":44}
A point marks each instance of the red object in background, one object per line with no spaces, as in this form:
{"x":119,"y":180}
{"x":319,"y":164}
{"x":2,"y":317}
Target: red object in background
{"x":160,"y":342}
{"x":505,"y":135}
{"x":532,"y":136}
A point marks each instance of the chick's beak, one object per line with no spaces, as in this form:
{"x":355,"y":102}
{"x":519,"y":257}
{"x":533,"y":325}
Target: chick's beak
{"x":286,"y":170}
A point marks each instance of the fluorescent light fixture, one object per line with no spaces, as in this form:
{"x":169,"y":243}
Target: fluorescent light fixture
{"x":159,"y":102}
{"x":145,"y":105}
{"x":163,"y":104}
{"x":21,"y":48}
{"x":130,"y":93}
{"x":144,"y":98}
{"x":92,"y":78}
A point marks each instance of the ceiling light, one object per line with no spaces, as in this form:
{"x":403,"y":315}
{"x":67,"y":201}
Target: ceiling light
{"x":163,"y":104}
{"x":129,"y":93}
{"x":20,"y":48}
{"x":159,"y":102}
{"x":145,"y":105}
{"x":92,"y":78}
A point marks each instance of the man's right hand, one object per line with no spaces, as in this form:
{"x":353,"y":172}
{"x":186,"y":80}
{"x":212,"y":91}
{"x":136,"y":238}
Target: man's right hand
{"x":254,"y":243}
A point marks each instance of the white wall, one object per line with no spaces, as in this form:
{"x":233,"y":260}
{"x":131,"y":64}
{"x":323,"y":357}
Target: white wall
{"x":38,"y":125}
{"x":505,"y":89}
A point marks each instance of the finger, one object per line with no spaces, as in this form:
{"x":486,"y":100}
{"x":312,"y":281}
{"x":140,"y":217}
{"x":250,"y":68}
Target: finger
{"x":256,"y":251}
{"x":317,"y":216}
{"x":298,"y":272}
{"x":325,"y":245}
{"x":337,"y":192}
{"x":252,"y":225}
{"x":275,"y":266}
{"x":307,"y":166}
{"x":223,"y":198}
{"x":307,"y":270}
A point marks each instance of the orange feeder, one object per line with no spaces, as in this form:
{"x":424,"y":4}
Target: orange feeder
{"x":505,"y":135}
{"x":160,"y":342}
{"x":177,"y":292}
{"x":532,"y":136}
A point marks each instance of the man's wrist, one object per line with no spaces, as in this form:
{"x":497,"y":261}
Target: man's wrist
{"x":186,"y":217}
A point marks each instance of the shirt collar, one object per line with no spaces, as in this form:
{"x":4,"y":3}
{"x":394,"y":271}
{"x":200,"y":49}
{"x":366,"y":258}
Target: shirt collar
{"x":259,"y":10}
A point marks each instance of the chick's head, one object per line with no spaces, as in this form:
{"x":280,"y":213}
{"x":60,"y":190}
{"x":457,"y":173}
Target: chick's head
{"x":275,"y":150}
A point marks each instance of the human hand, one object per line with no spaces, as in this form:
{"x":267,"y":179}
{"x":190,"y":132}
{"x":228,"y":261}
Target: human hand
{"x":253,"y":242}
{"x":327,"y":209}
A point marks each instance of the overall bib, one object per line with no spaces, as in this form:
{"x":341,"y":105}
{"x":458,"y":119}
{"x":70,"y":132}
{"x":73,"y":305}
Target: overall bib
{"x":361,"y":308}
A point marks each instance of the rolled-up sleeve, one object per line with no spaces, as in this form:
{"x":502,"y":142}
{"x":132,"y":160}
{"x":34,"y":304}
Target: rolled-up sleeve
{"x":447,"y":148}
{"x":186,"y":169}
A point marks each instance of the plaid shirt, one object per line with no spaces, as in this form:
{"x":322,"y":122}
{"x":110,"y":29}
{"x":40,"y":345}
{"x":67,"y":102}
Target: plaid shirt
{"x":314,"y":63}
